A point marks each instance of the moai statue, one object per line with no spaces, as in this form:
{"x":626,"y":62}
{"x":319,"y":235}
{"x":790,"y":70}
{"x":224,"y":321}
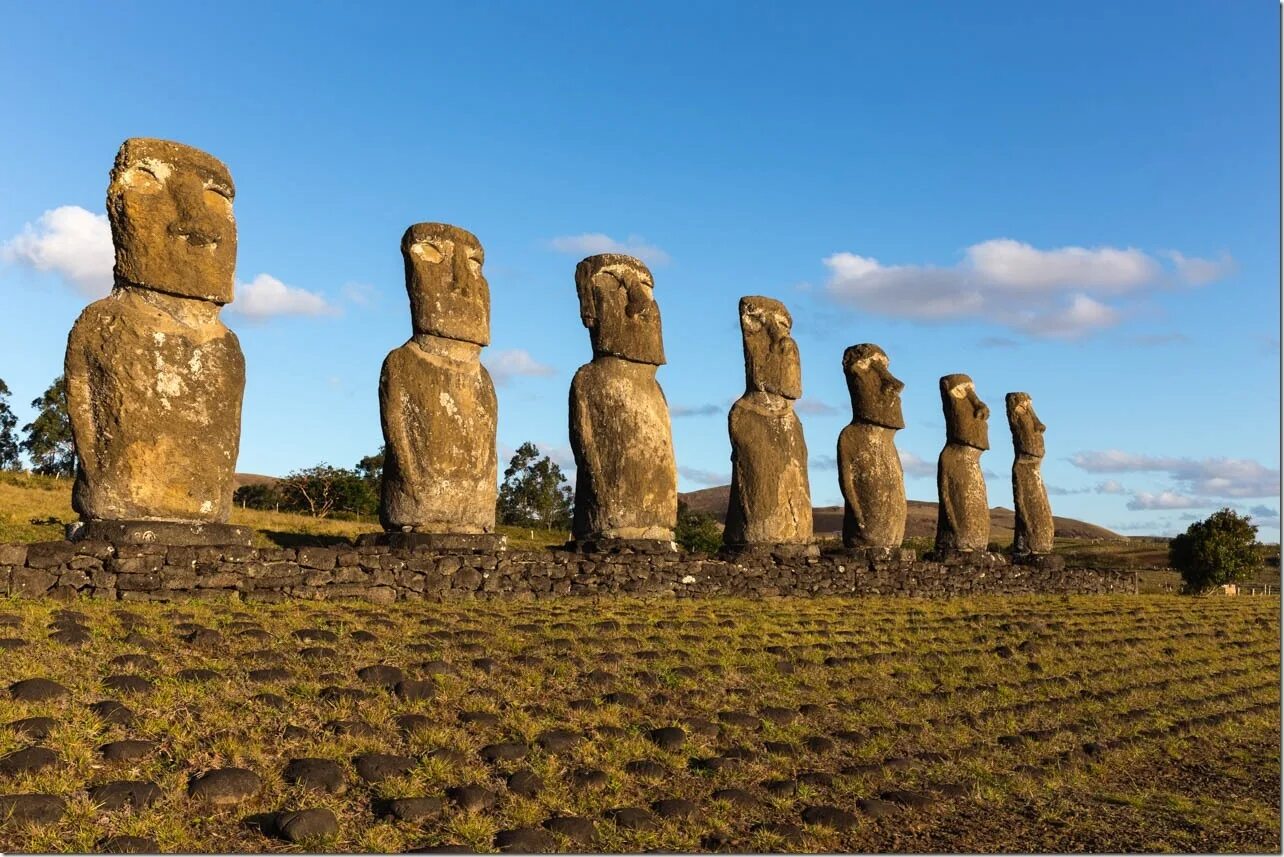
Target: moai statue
{"x":436,"y":400}
{"x":770,"y":501}
{"x":869,"y":468}
{"x":963,"y":515}
{"x":154,"y":378}
{"x":626,"y":483}
{"x":1034,"y":527}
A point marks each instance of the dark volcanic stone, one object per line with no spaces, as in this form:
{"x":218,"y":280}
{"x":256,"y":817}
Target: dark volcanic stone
{"x":558,"y":740}
{"x":779,"y":748}
{"x":72,"y":636}
{"x":305,"y":824}
{"x":875,"y":808}
{"x":792,"y":834}
{"x":224,"y":786}
{"x":647,"y":769}
{"x":479,"y":718}
{"x":381,"y":674}
{"x":126,"y":845}
{"x":442,"y":848}
{"x":135,"y":662}
{"x":271,"y":700}
{"x":28,"y":761}
{"x":525,"y":783}
{"x":125,"y":793}
{"x":376,"y":767}
{"x":129,"y":750}
{"x":451,"y":756}
{"x":127,"y":684}
{"x":780,"y":788}
{"x":700,"y":726}
{"x":36,"y":690}
{"x":35,"y":728}
{"x":411,"y":723}
{"x":471,"y":798}
{"x":586,"y":779}
{"x":736,"y":797}
{"x":268,"y":675}
{"x":740,"y":719}
{"x":818,"y":743}
{"x":904,"y":797}
{"x":581,"y":831}
{"x":10,"y":643}
{"x":816,"y":779}
{"x":829,"y":816}
{"x":505,"y":752}
{"x":334,"y":693}
{"x":674,"y":807}
{"x":412,"y":689}
{"x":196,"y":674}
{"x":318,"y":653}
{"x":412,"y":808}
{"x":111,"y":711}
{"x":778,"y":715}
{"x":315,"y":635}
{"x":322,"y":774}
{"x":204,"y":637}
{"x":31,"y":809}
{"x":355,"y":728}
{"x":669,"y":738}
{"x":525,"y":840}
{"x":632,"y":818}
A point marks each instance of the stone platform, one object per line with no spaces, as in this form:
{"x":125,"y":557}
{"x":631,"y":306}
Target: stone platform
{"x":383,"y":574}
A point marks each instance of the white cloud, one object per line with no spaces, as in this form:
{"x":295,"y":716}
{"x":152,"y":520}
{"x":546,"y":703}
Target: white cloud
{"x":708,"y":410}
{"x":70,"y":241}
{"x":1265,"y":514}
{"x":704,"y":477}
{"x":1110,"y":486}
{"x":361,"y":294}
{"x":504,"y":366}
{"x":807,"y":405}
{"x":1163,"y":500}
{"x":1201,"y":272}
{"x":592,"y":243}
{"x":1057,"y":294}
{"x":265,"y":296}
{"x":916,"y":467}
{"x":1206,"y":477}
{"x":1058,"y":491}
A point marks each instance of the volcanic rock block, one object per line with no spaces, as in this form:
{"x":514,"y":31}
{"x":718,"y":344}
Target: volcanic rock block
{"x":436,"y":400}
{"x":963,"y":518}
{"x":154,"y":378}
{"x":626,"y":484}
{"x":869,"y":467}
{"x":770,"y":499}
{"x":1034,"y":529}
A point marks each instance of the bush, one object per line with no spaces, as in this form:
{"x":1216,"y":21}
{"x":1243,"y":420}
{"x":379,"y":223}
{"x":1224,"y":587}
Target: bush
{"x":323,"y":490}
{"x":1218,"y":550}
{"x":697,"y":532}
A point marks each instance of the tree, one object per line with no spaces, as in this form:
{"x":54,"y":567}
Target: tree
{"x":323,"y":490}
{"x":534,"y":492}
{"x":1218,"y":550}
{"x":697,"y":532}
{"x":48,"y":443}
{"x":371,"y":467}
{"x":259,"y":495}
{"x":9,"y":459}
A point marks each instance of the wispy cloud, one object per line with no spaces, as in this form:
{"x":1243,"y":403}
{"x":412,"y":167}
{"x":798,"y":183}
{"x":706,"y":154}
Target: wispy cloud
{"x":1265,"y":514}
{"x":816,"y":407}
{"x":1058,"y":491}
{"x":592,"y":243}
{"x":1200,"y":272}
{"x":505,"y":365}
{"x":997,"y":342}
{"x":1163,"y":500}
{"x":704,"y":477}
{"x":708,"y":410}
{"x":70,"y":241}
{"x":267,"y":297}
{"x":361,"y":294}
{"x":916,"y":467}
{"x":1061,"y":293}
{"x":1110,"y":486}
{"x":1205,"y":477}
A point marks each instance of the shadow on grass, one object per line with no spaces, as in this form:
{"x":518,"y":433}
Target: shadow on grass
{"x":305,"y":540}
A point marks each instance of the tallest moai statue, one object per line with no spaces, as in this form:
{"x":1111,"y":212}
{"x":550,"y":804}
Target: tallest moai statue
{"x":626,"y":480}
{"x":154,"y":378}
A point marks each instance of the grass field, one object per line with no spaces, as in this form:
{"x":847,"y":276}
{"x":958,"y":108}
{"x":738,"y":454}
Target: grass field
{"x":1022,"y":724}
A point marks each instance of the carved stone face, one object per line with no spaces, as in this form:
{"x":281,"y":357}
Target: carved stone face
{"x":772,"y":364}
{"x":965,"y":413}
{"x":449,"y":297}
{"x":170,"y":208}
{"x":1027,"y":431}
{"x":875,"y":391}
{"x":617,"y":306}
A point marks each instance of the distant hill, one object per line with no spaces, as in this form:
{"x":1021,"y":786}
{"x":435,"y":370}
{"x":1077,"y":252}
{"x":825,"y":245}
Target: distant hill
{"x":921,"y":521}
{"x":253,"y":479}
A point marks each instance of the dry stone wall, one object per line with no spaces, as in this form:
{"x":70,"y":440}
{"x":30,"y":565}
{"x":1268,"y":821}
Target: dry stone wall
{"x":383,"y":575}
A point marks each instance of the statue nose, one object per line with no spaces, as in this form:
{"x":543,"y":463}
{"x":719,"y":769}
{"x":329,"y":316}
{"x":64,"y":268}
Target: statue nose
{"x":194,"y":222}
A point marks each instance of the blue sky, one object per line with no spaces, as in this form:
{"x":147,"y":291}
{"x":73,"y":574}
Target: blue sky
{"x":1080,"y":201}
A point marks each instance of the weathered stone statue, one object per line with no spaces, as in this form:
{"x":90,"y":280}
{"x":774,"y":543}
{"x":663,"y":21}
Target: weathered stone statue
{"x":963,"y":516}
{"x":436,"y":400}
{"x":1034,"y":529}
{"x":626,"y":484}
{"x":869,"y":468}
{"x":154,"y":378}
{"x":770,"y":500}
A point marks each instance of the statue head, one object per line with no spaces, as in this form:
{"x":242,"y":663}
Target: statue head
{"x":618,"y":308}
{"x":965,"y":413}
{"x":772,"y":364}
{"x":875,"y":391}
{"x":170,"y":208}
{"x":1027,"y":431}
{"x":449,"y":297}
